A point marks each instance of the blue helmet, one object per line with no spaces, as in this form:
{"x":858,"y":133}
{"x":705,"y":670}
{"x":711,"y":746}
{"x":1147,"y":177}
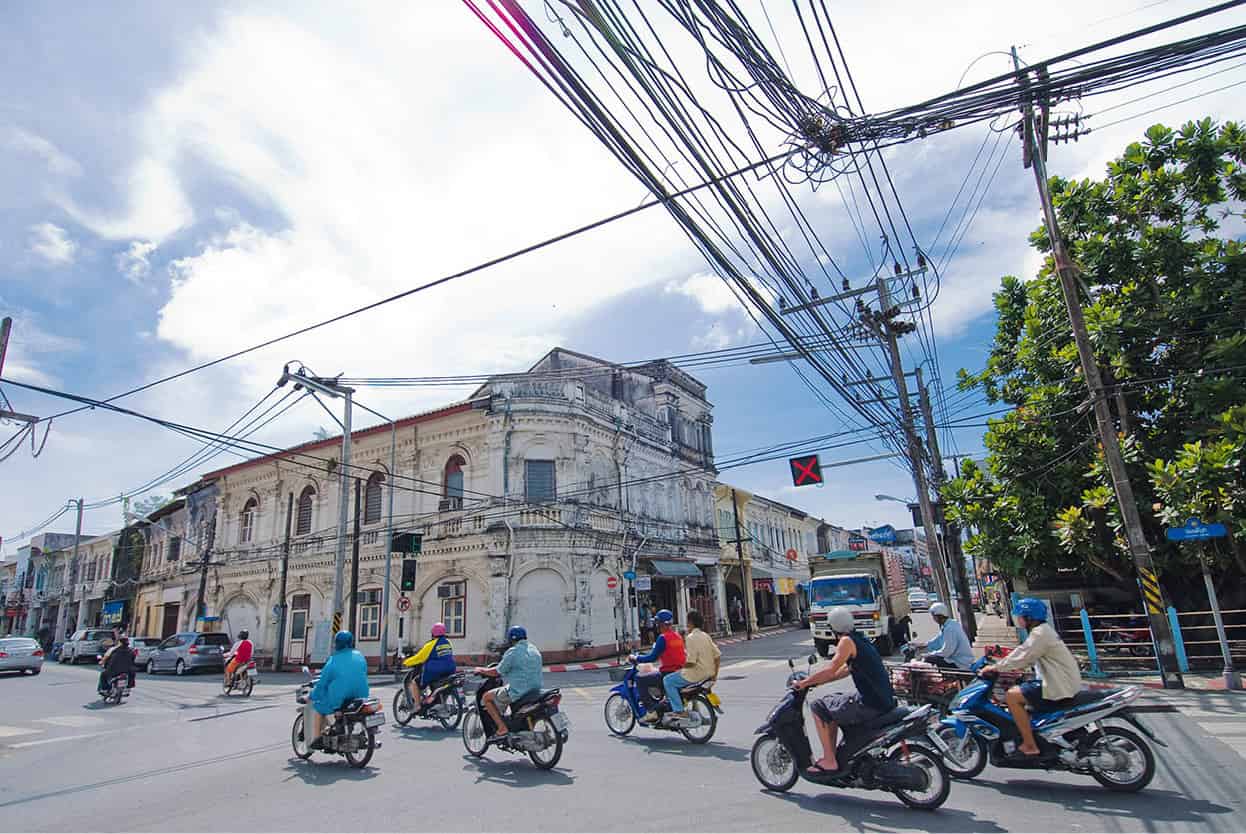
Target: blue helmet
{"x":516,"y":634}
{"x":343,"y":640}
{"x":1031,"y":609}
{"x":664,"y":616}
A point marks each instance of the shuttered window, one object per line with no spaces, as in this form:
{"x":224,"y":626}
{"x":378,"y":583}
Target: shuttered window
{"x":539,"y":480}
{"x":372,"y":499}
{"x":246,"y":525}
{"x":303,"y":526}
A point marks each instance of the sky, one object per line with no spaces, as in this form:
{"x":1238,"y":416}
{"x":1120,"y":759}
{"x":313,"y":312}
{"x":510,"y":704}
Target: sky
{"x":185,"y":180}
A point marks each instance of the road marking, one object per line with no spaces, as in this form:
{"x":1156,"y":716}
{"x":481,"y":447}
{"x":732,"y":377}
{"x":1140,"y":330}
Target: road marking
{"x":743,"y":664}
{"x":583,"y":693}
{"x":64,"y":738}
{"x":6,"y":732}
{"x":70,"y":720}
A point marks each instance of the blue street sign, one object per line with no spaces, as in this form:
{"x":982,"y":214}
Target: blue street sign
{"x":629,"y":575}
{"x":883,"y":535}
{"x":1195,"y":530}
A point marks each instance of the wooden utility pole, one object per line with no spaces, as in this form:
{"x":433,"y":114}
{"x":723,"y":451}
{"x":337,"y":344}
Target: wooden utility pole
{"x":1139,"y":548}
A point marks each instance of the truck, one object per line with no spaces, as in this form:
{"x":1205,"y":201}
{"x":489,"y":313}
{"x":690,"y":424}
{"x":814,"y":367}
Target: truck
{"x":871,"y":583}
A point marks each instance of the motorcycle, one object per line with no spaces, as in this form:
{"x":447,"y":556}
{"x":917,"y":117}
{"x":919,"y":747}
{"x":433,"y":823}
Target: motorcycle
{"x":445,"y":704}
{"x":701,"y":706}
{"x":1070,"y":738}
{"x":882,"y":754}
{"x":117,"y":689}
{"x":1130,"y":638}
{"x":534,"y":726}
{"x":351,"y":732}
{"x":244,"y":680}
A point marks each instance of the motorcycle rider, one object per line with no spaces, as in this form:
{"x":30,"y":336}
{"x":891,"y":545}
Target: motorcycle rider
{"x":1057,"y":668}
{"x":119,"y":660}
{"x":520,"y":670}
{"x":951,"y":648}
{"x":703,"y":659}
{"x":239,"y":655}
{"x":854,"y":655}
{"x":668,"y":651}
{"x":343,"y":678}
{"x":436,"y":661}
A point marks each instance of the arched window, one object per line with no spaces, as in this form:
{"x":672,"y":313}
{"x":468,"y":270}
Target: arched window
{"x":453,"y":482}
{"x":306,"y":498}
{"x":372,"y":498}
{"x":246,"y":525}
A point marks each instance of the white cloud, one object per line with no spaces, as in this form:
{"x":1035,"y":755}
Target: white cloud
{"x":57,"y":161}
{"x":157,"y":207}
{"x":708,"y":290}
{"x":51,"y":243}
{"x":134,"y":263}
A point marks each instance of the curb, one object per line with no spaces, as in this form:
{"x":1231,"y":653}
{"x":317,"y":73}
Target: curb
{"x":611,"y":664}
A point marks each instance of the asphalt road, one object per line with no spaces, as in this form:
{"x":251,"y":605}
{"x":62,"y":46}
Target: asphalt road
{"x":179,"y":757}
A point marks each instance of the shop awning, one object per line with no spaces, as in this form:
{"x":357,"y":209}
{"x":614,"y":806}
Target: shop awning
{"x":668,"y":567}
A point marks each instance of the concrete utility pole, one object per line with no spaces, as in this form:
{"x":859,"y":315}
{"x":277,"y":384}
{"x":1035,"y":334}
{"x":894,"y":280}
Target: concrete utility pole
{"x":6,"y":327}
{"x":746,"y":576}
{"x":205,"y":563}
{"x":1034,"y":131}
{"x":389,"y":542}
{"x":283,"y":607}
{"x":69,"y":572}
{"x":951,"y":532}
{"x":354,"y":564}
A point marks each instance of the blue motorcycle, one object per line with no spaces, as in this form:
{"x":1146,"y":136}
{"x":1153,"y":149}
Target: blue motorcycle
{"x":701,"y":708}
{"x":1070,"y":737}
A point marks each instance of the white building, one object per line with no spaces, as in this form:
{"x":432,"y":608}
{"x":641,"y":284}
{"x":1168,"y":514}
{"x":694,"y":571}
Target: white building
{"x":533,"y":497}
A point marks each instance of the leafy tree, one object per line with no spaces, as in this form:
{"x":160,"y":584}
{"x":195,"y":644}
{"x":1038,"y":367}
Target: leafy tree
{"x":1163,"y":286}
{"x":148,"y":504}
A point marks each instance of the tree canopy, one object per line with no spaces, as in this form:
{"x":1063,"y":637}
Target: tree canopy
{"x":1158,"y":245}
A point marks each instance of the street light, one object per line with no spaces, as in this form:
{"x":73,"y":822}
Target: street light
{"x":881,"y":497}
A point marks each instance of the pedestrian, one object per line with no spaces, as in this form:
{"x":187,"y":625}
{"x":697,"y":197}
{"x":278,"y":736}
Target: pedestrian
{"x":737,"y":612}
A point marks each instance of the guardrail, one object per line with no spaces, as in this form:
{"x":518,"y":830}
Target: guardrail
{"x":1110,"y":644}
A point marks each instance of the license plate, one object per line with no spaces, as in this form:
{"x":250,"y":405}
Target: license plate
{"x":376,"y":719}
{"x":560,"y":721}
{"x":714,"y":700}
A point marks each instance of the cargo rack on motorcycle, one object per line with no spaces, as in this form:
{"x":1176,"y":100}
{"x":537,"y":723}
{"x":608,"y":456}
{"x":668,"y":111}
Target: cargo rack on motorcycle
{"x":919,"y":683}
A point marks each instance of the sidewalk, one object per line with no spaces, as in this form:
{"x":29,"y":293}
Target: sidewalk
{"x":610,"y":663}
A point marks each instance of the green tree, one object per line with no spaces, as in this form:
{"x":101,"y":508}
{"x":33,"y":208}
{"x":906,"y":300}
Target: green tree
{"x":1163,"y":286}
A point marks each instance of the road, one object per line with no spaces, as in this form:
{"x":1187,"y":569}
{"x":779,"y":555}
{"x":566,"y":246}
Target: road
{"x":179,"y":757}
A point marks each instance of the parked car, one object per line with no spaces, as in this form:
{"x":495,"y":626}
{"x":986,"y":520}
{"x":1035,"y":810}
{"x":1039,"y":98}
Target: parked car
{"x":144,"y":647}
{"x":188,"y":651}
{"x":21,"y":654}
{"x":87,"y":644}
{"x":918,"y":600}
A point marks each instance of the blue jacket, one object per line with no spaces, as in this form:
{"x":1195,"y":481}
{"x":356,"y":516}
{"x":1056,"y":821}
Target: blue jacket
{"x":439,"y":662}
{"x":344,"y":677}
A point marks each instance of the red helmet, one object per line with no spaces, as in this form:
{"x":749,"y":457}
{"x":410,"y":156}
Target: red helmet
{"x":439,"y":629}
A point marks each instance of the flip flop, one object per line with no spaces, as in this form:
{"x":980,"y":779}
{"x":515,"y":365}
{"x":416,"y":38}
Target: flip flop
{"x":818,"y":770}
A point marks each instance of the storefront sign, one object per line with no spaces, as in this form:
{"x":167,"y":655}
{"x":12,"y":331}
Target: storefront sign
{"x":857,"y":543}
{"x":113,"y":613}
{"x":763,"y":584}
{"x":785,"y":586}
{"x":644,"y":583}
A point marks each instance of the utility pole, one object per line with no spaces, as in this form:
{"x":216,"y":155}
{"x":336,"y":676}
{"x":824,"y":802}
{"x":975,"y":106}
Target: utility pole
{"x":73,"y":561}
{"x":1034,"y":129}
{"x":6,"y":327}
{"x":354,"y":565}
{"x":746,"y":578}
{"x":283,"y":607}
{"x":389,"y":542}
{"x":205,"y":563}
{"x":951,"y":532}
{"x":883,"y":328}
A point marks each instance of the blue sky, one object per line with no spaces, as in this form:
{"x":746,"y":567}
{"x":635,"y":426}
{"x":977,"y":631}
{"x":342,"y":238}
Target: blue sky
{"x":184,"y":180}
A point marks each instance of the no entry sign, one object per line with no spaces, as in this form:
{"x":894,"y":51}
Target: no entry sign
{"x":612,"y":582}
{"x":806,"y":470}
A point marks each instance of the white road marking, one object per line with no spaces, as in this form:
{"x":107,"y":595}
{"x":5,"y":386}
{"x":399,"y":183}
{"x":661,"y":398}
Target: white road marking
{"x":583,"y":693}
{"x":6,"y":732}
{"x":65,"y":738}
{"x":70,"y":720}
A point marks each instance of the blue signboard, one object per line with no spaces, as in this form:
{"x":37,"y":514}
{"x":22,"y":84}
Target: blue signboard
{"x":1195,"y":530}
{"x":883,"y":535}
{"x":629,"y":575}
{"x":113,"y":613}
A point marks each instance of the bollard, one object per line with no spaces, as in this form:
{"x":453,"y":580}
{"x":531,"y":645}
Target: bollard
{"x":1183,"y":662}
{"x":1091,"y":651}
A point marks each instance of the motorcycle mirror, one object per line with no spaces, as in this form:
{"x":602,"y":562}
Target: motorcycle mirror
{"x":790,"y":664}
{"x":306,"y":671}
{"x":813,"y":658}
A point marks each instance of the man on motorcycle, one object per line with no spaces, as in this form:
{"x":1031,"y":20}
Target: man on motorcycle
{"x":436,"y":661}
{"x":1057,"y":668}
{"x":343,"y":678}
{"x":701,"y":663}
{"x":952,"y":647}
{"x":520,"y":670}
{"x":119,"y":660}
{"x":854,"y":655}
{"x":668,"y":652}
{"x":239,"y":656}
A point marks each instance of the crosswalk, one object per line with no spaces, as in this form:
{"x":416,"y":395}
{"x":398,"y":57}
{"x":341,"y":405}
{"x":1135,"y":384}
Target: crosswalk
{"x":19,"y":735}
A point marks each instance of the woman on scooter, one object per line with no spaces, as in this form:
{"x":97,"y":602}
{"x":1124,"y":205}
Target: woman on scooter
{"x":854,"y":655}
{"x":436,"y":659}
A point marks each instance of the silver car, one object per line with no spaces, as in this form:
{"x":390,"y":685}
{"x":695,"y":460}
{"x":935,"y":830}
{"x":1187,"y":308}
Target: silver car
{"x":20,"y":654}
{"x":144,"y":648}
{"x":87,"y":644}
{"x":190,"y":650}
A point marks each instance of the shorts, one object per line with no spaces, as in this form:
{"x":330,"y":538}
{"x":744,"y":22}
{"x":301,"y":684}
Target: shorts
{"x":844,"y":708}
{"x":1033,"y":692}
{"x":502,"y":697}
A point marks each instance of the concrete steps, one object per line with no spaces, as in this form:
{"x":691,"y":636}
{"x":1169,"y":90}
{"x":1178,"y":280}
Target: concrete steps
{"x":994,"y":630}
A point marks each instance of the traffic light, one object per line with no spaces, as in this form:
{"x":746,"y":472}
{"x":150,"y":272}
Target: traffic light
{"x":406,"y":543}
{"x":408,"y":574}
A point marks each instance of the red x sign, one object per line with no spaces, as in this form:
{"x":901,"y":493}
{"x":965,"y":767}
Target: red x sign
{"x":806,"y":470}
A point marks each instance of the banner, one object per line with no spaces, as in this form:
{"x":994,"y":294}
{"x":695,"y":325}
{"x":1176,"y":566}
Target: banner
{"x":113,"y":613}
{"x":785,"y":585}
{"x":763,"y":584}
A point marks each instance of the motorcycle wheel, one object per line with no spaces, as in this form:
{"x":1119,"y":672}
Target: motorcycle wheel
{"x":709,"y":721}
{"x":474,"y":738}
{"x":297,"y":739}
{"x":402,"y":713}
{"x":1141,"y":760}
{"x":247,"y":686}
{"x":620,"y":719}
{"x":966,"y":757}
{"x":451,"y":702}
{"x":773,"y":765}
{"x":547,"y":758}
{"x":367,"y":738}
{"x":939,"y":784}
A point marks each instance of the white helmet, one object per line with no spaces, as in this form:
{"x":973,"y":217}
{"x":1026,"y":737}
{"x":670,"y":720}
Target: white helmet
{"x":841,"y":620}
{"x":940,"y":610}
